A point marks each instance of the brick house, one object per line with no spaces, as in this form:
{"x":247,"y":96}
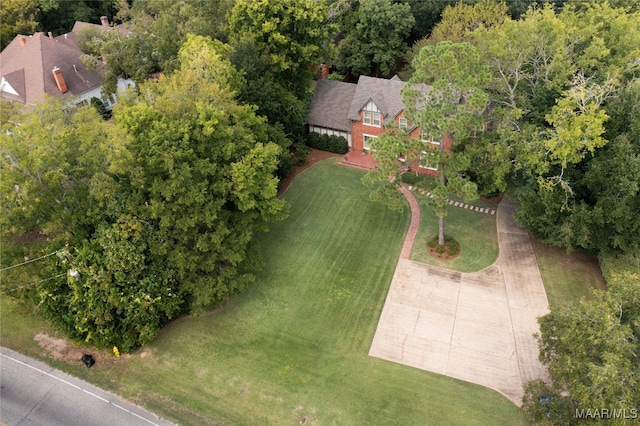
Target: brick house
{"x":40,"y":64}
{"x":360,"y":112}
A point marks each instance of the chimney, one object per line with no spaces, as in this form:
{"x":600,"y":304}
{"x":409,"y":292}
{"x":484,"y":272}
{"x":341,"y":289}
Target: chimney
{"x":50,"y":35}
{"x":23,"y":40}
{"x":104,"y":21}
{"x":58,"y":77}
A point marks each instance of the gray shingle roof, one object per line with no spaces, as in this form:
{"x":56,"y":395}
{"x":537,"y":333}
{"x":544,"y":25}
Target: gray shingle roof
{"x":384,"y":93}
{"x":336,"y":104}
{"x":330,"y":105}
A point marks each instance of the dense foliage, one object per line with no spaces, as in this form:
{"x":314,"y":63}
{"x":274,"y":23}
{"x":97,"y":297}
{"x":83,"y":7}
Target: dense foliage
{"x":158,"y":210}
{"x":378,"y":38}
{"x":330,"y":143}
{"x":592,"y":353}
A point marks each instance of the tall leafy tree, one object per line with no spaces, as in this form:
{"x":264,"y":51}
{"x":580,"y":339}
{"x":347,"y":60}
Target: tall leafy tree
{"x":159,"y":209}
{"x":201,"y":173}
{"x":378,"y":38}
{"x":290,"y":36}
{"x":459,"y":20}
{"x":592,"y":354}
{"x":445,"y":99}
{"x":48,"y":178}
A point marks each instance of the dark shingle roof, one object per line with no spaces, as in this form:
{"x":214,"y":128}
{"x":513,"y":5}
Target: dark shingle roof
{"x":34,"y":61}
{"x":330,"y":105}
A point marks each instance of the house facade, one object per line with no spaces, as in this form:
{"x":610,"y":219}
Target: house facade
{"x":361,"y":112}
{"x":40,"y":64}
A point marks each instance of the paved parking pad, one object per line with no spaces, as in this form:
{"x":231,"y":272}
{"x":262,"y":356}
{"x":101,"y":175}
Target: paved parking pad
{"x":476,"y":327}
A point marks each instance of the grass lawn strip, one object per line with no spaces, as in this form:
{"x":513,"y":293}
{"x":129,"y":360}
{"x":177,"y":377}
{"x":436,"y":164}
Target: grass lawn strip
{"x":476,"y":233}
{"x":294,"y":345}
{"x":567,"y":277}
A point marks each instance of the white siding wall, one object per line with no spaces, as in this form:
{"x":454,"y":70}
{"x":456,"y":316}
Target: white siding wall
{"x":371,"y":106}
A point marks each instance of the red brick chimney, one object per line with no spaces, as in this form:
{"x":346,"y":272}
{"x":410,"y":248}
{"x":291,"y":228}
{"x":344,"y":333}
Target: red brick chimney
{"x":23,"y":40}
{"x":59,"y":78}
{"x":50,"y":35}
{"x":104,"y":21}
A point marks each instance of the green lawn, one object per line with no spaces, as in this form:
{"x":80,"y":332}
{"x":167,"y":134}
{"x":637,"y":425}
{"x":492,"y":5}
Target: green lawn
{"x":476,"y":232}
{"x":567,"y":277}
{"x":295,"y":343}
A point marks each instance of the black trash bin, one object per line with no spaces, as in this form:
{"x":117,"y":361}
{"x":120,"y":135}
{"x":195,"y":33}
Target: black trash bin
{"x":88,"y":360}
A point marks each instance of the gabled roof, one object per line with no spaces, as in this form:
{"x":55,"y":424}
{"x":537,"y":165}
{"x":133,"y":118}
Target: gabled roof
{"x":386,"y":94}
{"x":330,"y":105}
{"x":27,"y":64}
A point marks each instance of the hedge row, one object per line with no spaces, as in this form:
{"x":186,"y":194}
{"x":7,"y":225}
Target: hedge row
{"x":330,"y":143}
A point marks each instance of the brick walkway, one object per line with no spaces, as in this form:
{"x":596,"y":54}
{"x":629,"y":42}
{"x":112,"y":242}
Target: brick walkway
{"x":413,"y":226}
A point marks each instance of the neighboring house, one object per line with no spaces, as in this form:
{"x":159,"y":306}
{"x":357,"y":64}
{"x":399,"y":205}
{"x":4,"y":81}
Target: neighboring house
{"x":38,"y":65}
{"x":359,"y":112}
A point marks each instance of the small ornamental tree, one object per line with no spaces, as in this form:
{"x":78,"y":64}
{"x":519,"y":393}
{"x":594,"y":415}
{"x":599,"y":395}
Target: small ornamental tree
{"x":445,"y":99}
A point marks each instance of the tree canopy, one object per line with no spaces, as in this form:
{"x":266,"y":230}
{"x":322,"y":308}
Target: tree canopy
{"x":158,"y":210}
{"x":445,"y":100}
{"x":591,"y":351}
{"x":378,"y":39}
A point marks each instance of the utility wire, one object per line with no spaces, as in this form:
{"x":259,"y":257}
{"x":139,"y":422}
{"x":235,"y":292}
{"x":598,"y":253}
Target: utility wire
{"x":32,"y":284}
{"x":29,"y":261}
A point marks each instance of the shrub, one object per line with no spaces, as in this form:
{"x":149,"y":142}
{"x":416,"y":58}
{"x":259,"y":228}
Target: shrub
{"x":410,"y":178}
{"x":101,"y":108}
{"x":451,"y":246}
{"x":300,"y":153}
{"x":330,"y":143}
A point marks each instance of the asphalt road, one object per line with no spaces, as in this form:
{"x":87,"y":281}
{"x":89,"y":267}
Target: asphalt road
{"x":34,"y":394}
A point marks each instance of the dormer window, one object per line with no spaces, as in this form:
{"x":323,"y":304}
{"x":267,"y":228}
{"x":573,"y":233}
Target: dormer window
{"x":372,"y":118}
{"x":371,"y":115}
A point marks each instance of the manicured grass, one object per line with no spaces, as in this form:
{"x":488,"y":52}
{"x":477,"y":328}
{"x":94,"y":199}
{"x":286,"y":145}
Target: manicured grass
{"x":295,"y":343}
{"x":567,"y":277}
{"x":476,"y":232}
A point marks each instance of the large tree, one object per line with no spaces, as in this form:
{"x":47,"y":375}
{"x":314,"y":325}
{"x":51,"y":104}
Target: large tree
{"x":158,"y":210}
{"x":201,"y":173}
{"x":378,"y":38}
{"x":289,"y":36}
{"x":445,"y":98}
{"x":591,"y":351}
{"x":557,"y":77}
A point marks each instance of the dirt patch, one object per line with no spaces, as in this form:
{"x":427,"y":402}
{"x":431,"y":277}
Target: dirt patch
{"x":64,"y":350}
{"x":313,"y":157}
{"x":450,"y":250}
{"x":29,"y":237}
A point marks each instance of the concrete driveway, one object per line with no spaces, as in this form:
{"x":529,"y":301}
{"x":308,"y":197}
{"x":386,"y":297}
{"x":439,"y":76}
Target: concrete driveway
{"x":476,"y":327}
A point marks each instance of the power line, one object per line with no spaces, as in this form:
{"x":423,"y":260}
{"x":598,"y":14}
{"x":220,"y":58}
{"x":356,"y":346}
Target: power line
{"x":29,"y":261}
{"x":32,"y":284}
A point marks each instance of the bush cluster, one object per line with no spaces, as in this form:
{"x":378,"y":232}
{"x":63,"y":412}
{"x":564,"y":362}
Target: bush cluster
{"x":410,"y":178}
{"x":330,"y":143}
{"x":451,"y":246}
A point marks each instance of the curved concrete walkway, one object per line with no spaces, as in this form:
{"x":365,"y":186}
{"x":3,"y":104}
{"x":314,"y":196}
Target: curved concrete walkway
{"x":476,"y":327}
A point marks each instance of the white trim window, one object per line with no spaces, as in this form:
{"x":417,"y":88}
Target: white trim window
{"x":371,"y":118}
{"x":371,"y":115}
{"x":366,"y":141}
{"x":403,"y":123}
{"x":425,"y":163}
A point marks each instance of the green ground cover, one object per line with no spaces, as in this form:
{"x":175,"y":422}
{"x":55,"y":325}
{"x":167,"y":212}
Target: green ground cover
{"x":567,"y":277}
{"x":294,"y":345}
{"x":476,"y":232}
